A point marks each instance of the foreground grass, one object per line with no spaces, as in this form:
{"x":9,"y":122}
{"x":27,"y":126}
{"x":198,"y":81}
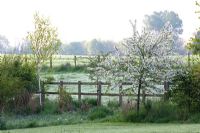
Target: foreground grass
{"x":113,"y":128}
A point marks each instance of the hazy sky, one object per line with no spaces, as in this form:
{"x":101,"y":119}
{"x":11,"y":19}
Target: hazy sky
{"x":78,"y":20}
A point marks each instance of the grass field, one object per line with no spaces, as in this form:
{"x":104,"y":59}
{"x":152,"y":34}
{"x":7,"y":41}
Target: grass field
{"x":113,"y":128}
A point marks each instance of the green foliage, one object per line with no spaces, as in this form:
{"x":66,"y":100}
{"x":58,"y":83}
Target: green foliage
{"x":158,"y":111}
{"x":50,"y":107}
{"x":186,"y":89}
{"x":94,"y":64}
{"x":16,"y":78}
{"x":90,"y":101}
{"x":2,"y":123}
{"x":64,"y":100}
{"x":113,"y":104}
{"x":67,"y":67}
{"x":99,"y":112}
{"x":32,"y":124}
{"x":161,"y":112}
{"x":194,"y":44}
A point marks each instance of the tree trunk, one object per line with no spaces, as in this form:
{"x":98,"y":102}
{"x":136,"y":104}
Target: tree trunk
{"x":50,"y":61}
{"x":39,"y":84}
{"x":138,"y":96}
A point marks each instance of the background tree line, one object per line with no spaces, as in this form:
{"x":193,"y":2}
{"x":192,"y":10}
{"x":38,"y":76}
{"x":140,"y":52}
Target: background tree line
{"x":153,"y":21}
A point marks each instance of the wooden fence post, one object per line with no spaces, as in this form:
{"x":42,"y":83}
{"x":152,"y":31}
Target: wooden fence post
{"x":120,"y":95}
{"x":75,"y":59}
{"x":143,"y":96}
{"x":79,"y":91}
{"x":61,"y":86}
{"x":99,"y":93}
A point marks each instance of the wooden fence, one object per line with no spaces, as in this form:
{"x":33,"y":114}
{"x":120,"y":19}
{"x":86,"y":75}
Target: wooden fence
{"x":98,"y":93}
{"x":74,"y":60}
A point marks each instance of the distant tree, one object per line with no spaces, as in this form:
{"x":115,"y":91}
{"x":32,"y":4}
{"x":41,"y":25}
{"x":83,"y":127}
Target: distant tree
{"x":44,"y":42}
{"x":158,"y":19}
{"x":145,"y":61}
{"x":23,"y":47}
{"x":4,"y":44}
{"x":74,"y":48}
{"x":95,"y":47}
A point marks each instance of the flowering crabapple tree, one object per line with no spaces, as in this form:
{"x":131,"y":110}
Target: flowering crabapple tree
{"x":145,"y":60}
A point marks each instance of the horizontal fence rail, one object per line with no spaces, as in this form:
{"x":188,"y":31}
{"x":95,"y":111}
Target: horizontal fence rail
{"x":99,"y":93}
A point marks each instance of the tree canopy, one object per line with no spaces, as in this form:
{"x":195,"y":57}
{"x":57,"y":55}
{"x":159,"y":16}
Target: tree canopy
{"x":157,"y":20}
{"x":144,"y":61}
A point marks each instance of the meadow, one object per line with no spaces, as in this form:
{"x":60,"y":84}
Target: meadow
{"x":113,"y":128}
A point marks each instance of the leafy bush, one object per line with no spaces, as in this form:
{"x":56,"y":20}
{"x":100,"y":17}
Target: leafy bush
{"x":50,"y":107}
{"x":67,"y":67}
{"x":90,"y":101}
{"x":17,"y":80}
{"x":161,"y":112}
{"x":64,"y":100}
{"x":132,"y":116}
{"x":2,"y":123}
{"x":32,"y":124}
{"x":113,"y":104}
{"x":99,"y":112}
{"x":157,"y":111}
{"x":186,"y":90}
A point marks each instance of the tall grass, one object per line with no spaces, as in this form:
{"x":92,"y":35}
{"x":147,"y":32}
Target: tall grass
{"x":67,"y":67}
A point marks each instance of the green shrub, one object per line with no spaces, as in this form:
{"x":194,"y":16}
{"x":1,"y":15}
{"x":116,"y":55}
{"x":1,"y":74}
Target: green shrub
{"x":67,"y":67}
{"x":2,"y":123}
{"x":32,"y":124}
{"x":157,"y":111}
{"x":17,"y":79}
{"x":64,"y":100}
{"x":161,"y":112}
{"x":113,"y":104}
{"x":50,"y":107}
{"x":194,"y":118}
{"x":185,"y":91}
{"x":90,"y":101}
{"x":148,"y":105}
{"x":99,"y":112}
{"x":63,"y":67}
{"x":132,"y":116}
